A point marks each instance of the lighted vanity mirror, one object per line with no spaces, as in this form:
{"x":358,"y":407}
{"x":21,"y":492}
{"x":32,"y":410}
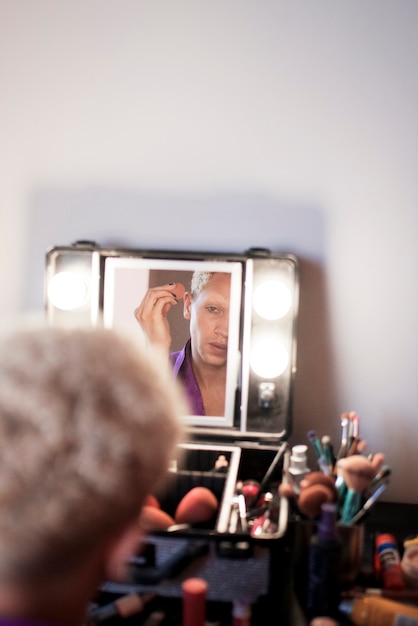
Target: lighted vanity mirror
{"x":127,"y":282}
{"x":233,"y":315}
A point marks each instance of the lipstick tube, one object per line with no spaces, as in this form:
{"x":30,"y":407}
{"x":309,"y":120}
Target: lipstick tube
{"x":194,"y":592}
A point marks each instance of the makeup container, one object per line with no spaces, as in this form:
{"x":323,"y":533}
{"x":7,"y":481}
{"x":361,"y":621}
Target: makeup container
{"x":324,"y":566}
{"x":352,"y":540}
{"x":375,"y":611}
{"x":389,"y":562}
{"x":298,"y":467}
{"x":241,"y":455}
{"x":241,"y":612}
{"x":194,"y":602}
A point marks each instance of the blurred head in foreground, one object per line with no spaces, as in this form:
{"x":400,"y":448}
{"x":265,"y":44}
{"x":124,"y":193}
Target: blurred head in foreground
{"x":88,"y":426}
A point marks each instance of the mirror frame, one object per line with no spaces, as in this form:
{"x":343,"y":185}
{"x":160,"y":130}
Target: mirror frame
{"x":258,"y":406}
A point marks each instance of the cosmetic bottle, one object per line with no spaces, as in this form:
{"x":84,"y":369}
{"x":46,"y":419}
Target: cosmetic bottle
{"x":324,"y":566}
{"x":194,"y":592}
{"x":298,"y":467}
{"x":389,"y":562}
{"x":378,"y":611}
{"x":241,"y":612}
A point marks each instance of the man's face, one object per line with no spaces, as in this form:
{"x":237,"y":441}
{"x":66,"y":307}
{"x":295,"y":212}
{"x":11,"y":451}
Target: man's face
{"x":209,"y":319}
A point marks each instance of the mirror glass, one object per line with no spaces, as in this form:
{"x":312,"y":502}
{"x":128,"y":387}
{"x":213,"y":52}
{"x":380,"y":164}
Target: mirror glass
{"x":211,"y":315}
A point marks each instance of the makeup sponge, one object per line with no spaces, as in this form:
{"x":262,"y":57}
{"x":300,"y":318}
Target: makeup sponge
{"x":198,"y":505}
{"x":178,"y":290}
{"x":151,"y":500}
{"x":153,"y":518}
{"x":316,"y":489}
{"x":312,"y":498}
{"x":319,"y":478}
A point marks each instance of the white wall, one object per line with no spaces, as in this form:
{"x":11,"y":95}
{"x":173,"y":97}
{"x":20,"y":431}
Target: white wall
{"x":220,"y":125}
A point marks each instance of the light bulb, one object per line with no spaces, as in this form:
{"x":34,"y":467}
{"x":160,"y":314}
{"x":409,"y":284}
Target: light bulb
{"x":67,"y":291}
{"x":269,"y":358}
{"x":272,"y":300}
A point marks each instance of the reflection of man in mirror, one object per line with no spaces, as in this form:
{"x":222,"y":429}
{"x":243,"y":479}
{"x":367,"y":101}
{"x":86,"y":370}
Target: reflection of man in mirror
{"x":201,"y":363}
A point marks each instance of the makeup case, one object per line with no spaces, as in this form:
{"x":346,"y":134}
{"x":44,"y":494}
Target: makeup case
{"x":242,"y":550}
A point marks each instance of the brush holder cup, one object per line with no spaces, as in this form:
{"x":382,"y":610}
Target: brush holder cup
{"x":351,"y":557}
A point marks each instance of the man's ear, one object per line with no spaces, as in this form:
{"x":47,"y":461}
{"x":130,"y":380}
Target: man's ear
{"x":187,"y":305}
{"x":120,"y":550}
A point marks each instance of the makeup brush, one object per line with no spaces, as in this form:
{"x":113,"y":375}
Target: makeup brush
{"x":342,"y":452}
{"x":361,"y":513}
{"x":314,"y":439}
{"x":125,"y":606}
{"x":328,"y":452}
{"x":358,"y":473}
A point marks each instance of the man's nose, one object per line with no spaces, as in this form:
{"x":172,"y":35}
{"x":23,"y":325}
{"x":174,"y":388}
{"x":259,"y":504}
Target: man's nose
{"x":222,"y":328}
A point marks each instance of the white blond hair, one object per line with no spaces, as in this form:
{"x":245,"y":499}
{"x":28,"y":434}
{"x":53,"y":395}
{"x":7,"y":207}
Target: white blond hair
{"x":200,"y":279}
{"x":88,"y":425}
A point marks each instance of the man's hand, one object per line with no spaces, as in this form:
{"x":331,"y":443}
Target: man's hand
{"x":152,"y":313}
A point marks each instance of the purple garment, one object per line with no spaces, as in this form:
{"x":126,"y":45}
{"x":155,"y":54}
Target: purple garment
{"x":182,"y":369}
{"x":20,"y":621}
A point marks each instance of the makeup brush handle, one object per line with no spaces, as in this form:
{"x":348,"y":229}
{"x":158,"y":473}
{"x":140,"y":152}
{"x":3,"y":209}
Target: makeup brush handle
{"x":351,"y":506}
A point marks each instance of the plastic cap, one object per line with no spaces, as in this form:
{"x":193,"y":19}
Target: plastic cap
{"x":327,"y":528}
{"x":241,"y":608}
{"x":298,"y":458}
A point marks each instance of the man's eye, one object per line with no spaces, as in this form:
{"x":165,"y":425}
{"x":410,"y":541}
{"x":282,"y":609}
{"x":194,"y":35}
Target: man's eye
{"x":212,"y":309}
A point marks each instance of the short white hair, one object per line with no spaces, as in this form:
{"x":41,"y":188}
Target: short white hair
{"x":199,"y":281}
{"x":88,"y":426}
